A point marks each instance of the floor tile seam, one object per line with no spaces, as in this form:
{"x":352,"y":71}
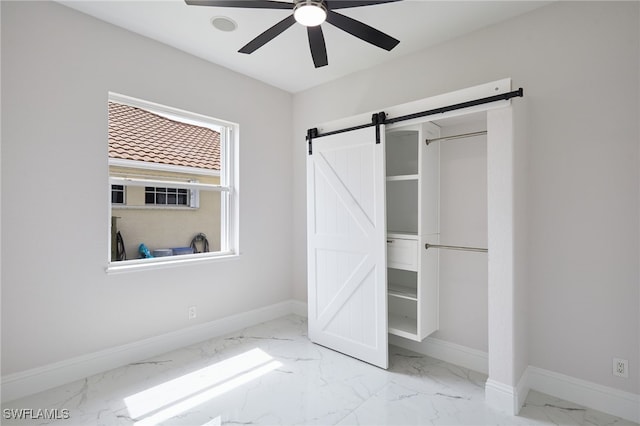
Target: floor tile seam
{"x":436,"y":393}
{"x":364,"y":401}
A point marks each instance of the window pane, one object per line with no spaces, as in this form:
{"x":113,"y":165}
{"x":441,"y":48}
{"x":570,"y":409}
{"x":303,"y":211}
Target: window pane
{"x":117,"y":194}
{"x":166,"y":196}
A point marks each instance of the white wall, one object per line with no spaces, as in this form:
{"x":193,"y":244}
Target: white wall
{"x":579,"y":65}
{"x":57,"y":301}
{"x":463,"y":221}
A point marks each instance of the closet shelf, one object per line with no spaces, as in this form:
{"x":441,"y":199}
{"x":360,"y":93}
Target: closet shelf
{"x":402,"y":292}
{"x":403,"y":326}
{"x":402,"y":235}
{"x":402,"y":177}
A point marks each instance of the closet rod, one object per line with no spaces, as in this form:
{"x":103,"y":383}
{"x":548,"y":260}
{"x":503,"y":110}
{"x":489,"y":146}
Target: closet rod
{"x":439,"y":246}
{"x":464,"y":135}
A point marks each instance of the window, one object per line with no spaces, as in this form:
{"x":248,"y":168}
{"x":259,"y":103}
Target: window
{"x":172,"y":182}
{"x":166,"y":196}
{"x":117,"y":194}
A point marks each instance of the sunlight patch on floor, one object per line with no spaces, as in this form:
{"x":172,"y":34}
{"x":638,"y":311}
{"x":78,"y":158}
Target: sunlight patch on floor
{"x":179,"y":395}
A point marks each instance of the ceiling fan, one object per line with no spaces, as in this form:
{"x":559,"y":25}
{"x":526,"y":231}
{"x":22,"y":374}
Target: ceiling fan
{"x":310,"y":13}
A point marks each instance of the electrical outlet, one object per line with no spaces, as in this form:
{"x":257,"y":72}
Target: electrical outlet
{"x":192,"y":312}
{"x":621,"y":368}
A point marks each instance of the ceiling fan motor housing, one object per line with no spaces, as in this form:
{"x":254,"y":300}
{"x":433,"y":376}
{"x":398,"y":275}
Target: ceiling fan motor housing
{"x":310,"y":13}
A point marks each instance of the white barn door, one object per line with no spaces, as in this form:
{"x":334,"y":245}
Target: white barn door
{"x":346,"y":234}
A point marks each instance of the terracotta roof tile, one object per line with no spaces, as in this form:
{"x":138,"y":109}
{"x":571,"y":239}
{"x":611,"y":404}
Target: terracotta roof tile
{"x":137,"y":134}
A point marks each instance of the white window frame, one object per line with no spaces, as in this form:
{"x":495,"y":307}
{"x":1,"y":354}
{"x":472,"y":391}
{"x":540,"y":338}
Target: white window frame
{"x":228,"y":188}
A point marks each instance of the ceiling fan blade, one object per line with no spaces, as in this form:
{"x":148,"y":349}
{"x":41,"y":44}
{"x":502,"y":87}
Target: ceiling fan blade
{"x":249,"y":4}
{"x":268,"y":35}
{"x":317,"y":46}
{"x":343,"y":4}
{"x":362,"y":31}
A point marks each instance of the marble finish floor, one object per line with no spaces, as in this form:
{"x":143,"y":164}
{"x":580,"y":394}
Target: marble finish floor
{"x":271,"y":374}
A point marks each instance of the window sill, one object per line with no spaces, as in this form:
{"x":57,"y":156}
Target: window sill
{"x":157,"y":207}
{"x":135,"y":265}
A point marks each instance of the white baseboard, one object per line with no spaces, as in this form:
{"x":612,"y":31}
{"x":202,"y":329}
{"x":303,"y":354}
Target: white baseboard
{"x":501,"y":397}
{"x":508,"y":399}
{"x":522,"y":390}
{"x":18,"y":385}
{"x":463,"y":356}
{"x":299,"y":308}
{"x":602,"y":398}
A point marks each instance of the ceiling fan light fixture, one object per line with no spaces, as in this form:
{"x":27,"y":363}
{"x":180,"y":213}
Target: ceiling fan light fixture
{"x":310,"y":13}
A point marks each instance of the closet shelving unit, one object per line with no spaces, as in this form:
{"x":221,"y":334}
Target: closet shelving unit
{"x":412,"y":193}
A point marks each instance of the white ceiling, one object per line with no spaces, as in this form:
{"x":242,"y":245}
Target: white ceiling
{"x":285,"y":61}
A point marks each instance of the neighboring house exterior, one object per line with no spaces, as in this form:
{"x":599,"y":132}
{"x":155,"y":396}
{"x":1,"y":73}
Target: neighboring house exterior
{"x":149,"y":156}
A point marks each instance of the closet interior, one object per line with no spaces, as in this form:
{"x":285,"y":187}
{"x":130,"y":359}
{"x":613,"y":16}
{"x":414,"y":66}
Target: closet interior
{"x":436,"y":211}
